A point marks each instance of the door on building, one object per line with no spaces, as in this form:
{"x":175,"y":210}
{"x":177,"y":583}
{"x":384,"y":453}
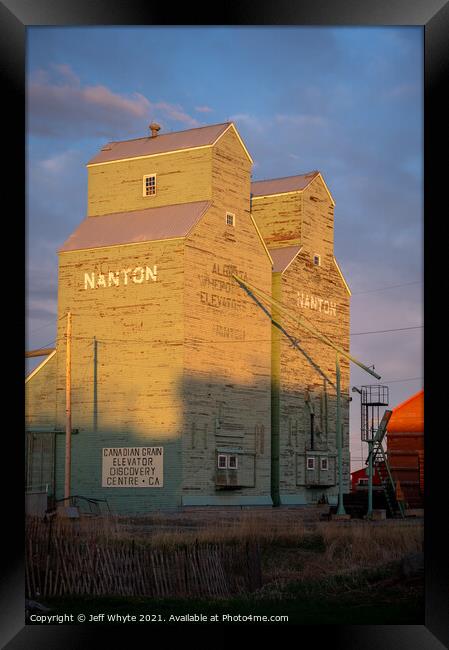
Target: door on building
{"x":40,"y":468}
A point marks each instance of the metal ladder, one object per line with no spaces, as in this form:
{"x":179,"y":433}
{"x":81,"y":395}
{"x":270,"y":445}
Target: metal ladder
{"x":381,"y":464}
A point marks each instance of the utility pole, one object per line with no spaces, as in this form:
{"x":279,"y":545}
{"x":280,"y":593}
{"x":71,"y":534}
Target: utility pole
{"x":370,"y":480}
{"x":341,"y":507}
{"x":68,"y":407}
{"x":95,"y":423}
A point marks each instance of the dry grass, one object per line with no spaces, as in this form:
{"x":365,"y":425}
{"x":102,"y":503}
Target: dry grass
{"x":366,"y":544}
{"x":185,"y":529}
{"x":356,"y":541}
{"x":296,"y":546}
{"x":347,"y":550}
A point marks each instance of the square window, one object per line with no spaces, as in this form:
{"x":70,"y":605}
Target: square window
{"x":149,"y":185}
{"x":222,"y":461}
{"x":233,"y":462}
{"x":311,"y":463}
{"x":317,"y":260}
{"x":324,"y":464}
{"x":230,"y":219}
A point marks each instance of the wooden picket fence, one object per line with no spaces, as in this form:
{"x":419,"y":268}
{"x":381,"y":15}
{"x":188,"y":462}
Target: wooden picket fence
{"x":64,"y":562}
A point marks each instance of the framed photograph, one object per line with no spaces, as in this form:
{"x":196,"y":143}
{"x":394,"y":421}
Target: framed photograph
{"x":212,"y":200}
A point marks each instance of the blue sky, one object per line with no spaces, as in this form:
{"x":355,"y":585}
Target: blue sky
{"x":345,"y":101}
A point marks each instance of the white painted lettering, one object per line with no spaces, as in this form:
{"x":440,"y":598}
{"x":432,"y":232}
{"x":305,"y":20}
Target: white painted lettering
{"x":89,"y":280}
{"x":307,"y":301}
{"x":125,"y":275}
{"x":151,"y":273}
{"x":101,"y":282}
{"x":113,"y":278}
{"x":138,"y":275}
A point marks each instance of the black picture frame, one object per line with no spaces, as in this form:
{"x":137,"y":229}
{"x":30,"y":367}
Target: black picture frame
{"x":433,"y":15}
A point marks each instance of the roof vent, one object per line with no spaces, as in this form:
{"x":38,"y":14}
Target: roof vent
{"x":154,"y":129}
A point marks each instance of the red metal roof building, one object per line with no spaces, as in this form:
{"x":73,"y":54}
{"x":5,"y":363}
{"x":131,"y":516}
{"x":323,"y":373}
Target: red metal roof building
{"x":359,"y":479}
{"x":405,"y":448}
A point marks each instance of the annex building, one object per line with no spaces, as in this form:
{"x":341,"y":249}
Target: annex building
{"x":183,"y":393}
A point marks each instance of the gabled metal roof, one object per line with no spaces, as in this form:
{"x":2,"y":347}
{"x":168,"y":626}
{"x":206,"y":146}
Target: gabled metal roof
{"x":166,"y":142}
{"x":151,"y":224}
{"x":282,"y":185}
{"x":283,"y":257}
{"x":408,"y":417}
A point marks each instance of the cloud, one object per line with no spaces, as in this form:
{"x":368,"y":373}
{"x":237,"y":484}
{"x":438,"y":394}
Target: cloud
{"x":59,"y":162}
{"x":301,"y":120}
{"x":59,"y":104}
{"x":66,"y":73}
{"x":41,"y":290}
{"x":175,"y":113}
{"x":403,"y":90}
{"x":255,"y":124}
{"x":204,"y":109}
{"x":55,"y":196}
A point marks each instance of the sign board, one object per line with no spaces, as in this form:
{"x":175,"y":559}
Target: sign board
{"x":139,"y":467}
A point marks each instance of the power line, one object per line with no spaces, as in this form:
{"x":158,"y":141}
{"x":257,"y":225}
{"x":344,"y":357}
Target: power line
{"x":201,"y":341}
{"x":397,"y":329}
{"x":43,"y":347}
{"x":392,"y":286}
{"x":241,"y":340}
{"x":38,"y":329}
{"x":393,"y":381}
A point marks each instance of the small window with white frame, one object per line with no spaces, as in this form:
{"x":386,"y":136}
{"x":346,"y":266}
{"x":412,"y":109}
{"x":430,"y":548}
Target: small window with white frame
{"x":311,"y":463}
{"x":317,"y":259}
{"x":222,"y":461}
{"x":324,"y":464}
{"x":149,"y":185}
{"x":233,"y":462}
{"x":230,"y":219}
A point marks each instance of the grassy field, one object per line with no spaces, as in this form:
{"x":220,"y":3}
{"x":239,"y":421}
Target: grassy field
{"x":377,"y":598}
{"x":312,"y":571}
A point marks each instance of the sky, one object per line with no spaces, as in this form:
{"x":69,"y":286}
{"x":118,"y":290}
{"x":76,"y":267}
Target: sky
{"x":345,"y":101}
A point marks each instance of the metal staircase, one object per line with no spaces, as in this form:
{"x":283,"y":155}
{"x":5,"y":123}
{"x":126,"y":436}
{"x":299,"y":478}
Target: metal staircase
{"x":382,"y":466}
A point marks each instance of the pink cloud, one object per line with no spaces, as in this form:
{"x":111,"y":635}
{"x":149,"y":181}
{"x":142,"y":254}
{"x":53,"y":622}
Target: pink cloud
{"x":102,"y":97}
{"x":58,"y":103}
{"x":204,"y":109}
{"x":175,"y":113}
